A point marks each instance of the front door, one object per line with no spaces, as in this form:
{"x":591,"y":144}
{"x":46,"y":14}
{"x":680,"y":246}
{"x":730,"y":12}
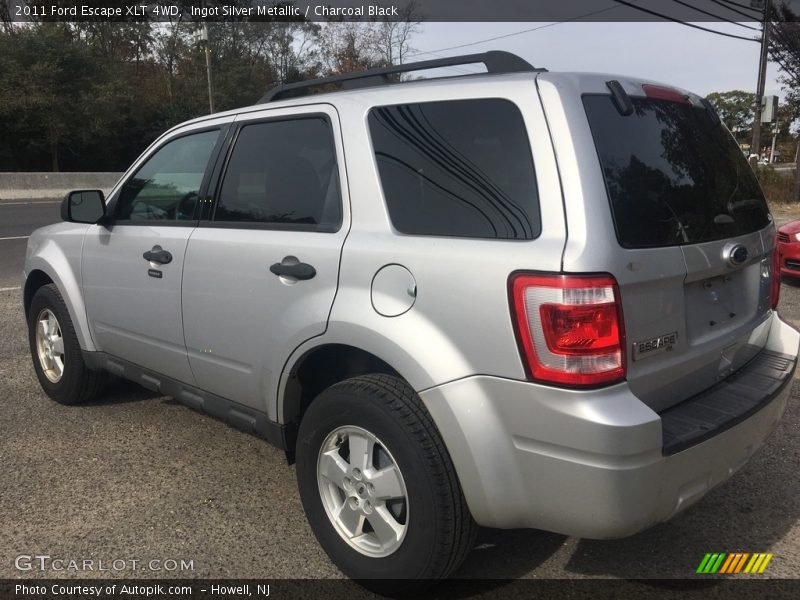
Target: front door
{"x":131,"y":268}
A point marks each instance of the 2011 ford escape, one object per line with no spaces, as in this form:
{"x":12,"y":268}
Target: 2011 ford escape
{"x":512,"y":299}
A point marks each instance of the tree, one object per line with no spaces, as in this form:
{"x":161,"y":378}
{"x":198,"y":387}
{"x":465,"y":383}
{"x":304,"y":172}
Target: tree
{"x":393,"y":38}
{"x":290,"y":50}
{"x":345,"y":47}
{"x":735,"y":108}
{"x":170,"y":42}
{"x":46,"y":79}
{"x":5,"y":14}
{"x":92,"y":95}
{"x":784,"y":49}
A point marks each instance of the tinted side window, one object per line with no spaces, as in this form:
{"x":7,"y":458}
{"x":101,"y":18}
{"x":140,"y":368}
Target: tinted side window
{"x":283,"y":173}
{"x":166,"y":187}
{"x":457,"y":168}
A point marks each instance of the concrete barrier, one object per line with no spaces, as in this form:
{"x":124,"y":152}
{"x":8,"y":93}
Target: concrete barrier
{"x":52,"y":186}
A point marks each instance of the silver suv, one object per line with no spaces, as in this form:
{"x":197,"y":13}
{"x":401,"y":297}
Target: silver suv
{"x":510,"y":299}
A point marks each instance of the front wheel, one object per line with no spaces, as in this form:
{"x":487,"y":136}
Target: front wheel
{"x":56,"y":353}
{"x":378,"y":486}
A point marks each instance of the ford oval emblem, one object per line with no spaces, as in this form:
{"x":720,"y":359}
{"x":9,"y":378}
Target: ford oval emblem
{"x":738,"y":255}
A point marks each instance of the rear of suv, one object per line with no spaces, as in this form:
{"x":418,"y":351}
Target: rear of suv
{"x":513,"y":299}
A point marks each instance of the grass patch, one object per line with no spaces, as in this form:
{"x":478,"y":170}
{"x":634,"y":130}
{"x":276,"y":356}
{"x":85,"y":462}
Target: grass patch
{"x":777,"y":185}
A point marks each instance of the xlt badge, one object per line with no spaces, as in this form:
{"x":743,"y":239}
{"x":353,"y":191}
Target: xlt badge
{"x":655,"y":345}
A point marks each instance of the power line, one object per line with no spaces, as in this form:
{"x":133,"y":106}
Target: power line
{"x":710,"y":14}
{"x":453,"y":68}
{"x":589,"y":14}
{"x":508,"y":35}
{"x":789,"y":49}
{"x":491,"y":39}
{"x":692,"y":25}
{"x":731,"y":2}
{"x":786,"y":70}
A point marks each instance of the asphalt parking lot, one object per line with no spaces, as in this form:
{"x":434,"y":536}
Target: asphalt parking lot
{"x":138,"y":476}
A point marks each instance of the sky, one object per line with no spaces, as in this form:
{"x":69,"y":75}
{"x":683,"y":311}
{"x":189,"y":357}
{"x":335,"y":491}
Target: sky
{"x":668,"y":52}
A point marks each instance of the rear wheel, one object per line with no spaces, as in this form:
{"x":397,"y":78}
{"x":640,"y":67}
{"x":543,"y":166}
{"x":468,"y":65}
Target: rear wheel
{"x":378,"y":485}
{"x":56,"y":353}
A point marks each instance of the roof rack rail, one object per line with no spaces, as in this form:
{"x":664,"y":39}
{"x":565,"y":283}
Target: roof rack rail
{"x":496,"y":61}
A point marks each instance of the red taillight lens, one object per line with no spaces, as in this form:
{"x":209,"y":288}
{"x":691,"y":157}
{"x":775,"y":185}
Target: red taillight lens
{"x":580,"y":329}
{"x":570,"y":328}
{"x":775,"y":283}
{"x":657,"y":92}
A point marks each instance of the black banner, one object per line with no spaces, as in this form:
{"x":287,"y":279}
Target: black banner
{"x":281,"y":589}
{"x":399,"y":10}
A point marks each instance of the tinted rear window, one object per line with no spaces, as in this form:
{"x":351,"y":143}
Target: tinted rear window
{"x":457,"y":168}
{"x":673,"y":176}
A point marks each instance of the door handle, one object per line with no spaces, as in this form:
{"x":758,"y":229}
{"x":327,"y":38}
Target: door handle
{"x":158,"y":255}
{"x":298,"y":270}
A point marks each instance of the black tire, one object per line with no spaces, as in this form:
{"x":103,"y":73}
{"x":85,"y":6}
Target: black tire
{"x":77,"y":383}
{"x":440,"y":529}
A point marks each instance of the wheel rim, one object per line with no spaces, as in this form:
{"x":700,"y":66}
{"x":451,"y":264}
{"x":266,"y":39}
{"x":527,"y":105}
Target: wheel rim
{"x":363,"y":491}
{"x":50,"y":345}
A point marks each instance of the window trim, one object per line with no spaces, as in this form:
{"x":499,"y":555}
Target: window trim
{"x":113,"y":202}
{"x":379,"y":180}
{"x":207,"y":220}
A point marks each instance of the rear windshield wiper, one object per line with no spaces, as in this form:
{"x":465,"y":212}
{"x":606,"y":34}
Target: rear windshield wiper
{"x":733,"y":207}
{"x":736,"y":205}
{"x":622,"y":102}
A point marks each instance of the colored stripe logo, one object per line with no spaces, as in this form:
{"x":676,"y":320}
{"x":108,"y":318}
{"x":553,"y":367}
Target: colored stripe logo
{"x":734,"y":562}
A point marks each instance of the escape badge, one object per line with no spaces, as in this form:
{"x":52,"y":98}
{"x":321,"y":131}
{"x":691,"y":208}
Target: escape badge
{"x":653,"y":346}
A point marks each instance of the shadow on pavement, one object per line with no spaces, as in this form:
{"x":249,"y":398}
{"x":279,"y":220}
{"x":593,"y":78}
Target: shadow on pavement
{"x":790,"y":281}
{"x":120,"y":391}
{"x":508,"y":554}
{"x":751,"y":512}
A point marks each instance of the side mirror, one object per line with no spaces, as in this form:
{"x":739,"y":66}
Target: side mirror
{"x":83,"y":206}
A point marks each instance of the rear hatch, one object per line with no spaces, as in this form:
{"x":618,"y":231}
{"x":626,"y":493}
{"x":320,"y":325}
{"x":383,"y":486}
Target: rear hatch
{"x":694,"y":238}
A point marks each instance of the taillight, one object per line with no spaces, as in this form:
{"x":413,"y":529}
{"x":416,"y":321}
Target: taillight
{"x":775,"y":283}
{"x":570,"y":328}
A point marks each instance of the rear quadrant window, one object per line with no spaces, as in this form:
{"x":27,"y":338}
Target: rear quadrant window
{"x":458,"y":168}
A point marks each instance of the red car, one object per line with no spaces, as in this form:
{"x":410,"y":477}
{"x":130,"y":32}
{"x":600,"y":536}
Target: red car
{"x":789,"y":248}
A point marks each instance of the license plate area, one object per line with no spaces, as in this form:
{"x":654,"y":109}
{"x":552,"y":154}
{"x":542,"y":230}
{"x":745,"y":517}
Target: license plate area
{"x":716,"y":305}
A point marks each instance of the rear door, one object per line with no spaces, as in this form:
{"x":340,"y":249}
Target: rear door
{"x":693,"y":243}
{"x":261,"y":270}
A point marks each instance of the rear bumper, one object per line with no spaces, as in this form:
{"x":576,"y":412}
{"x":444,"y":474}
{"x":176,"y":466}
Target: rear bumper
{"x":593,"y":463}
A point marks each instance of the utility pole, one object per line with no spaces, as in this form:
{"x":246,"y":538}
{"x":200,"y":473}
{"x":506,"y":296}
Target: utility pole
{"x":204,"y":37}
{"x":774,"y":139}
{"x":762,"y":76}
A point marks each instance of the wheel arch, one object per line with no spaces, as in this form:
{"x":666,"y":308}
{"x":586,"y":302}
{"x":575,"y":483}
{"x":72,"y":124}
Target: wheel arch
{"x":420,"y":355}
{"x":320,"y":367}
{"x":348,"y":350}
{"x":36,"y":279}
{"x":56,"y":270}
